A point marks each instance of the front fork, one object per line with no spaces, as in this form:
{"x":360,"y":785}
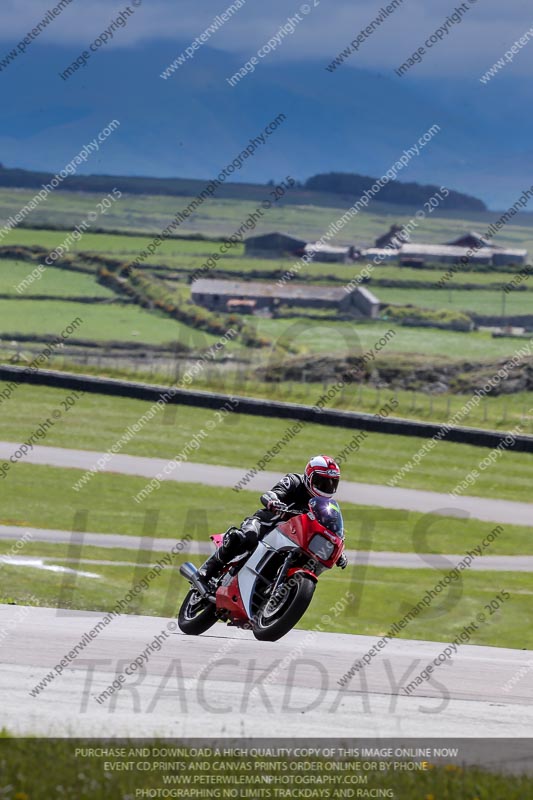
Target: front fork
{"x":287,"y":570}
{"x":280,"y":580}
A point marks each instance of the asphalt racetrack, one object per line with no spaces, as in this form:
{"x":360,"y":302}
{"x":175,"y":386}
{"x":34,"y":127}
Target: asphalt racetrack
{"x":225,"y":683}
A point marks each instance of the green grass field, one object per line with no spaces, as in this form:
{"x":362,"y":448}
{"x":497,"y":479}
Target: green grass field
{"x":52,"y":282}
{"x":131,"y":323}
{"x":432,"y":276}
{"x":496,"y":413}
{"x":127,"y":323}
{"x":382,"y":596}
{"x":318,"y":336}
{"x":37,"y":494}
{"x":27,"y":774}
{"x":123,"y":247}
{"x":489,"y":303}
{"x":190,"y":255}
{"x":240,"y":440}
{"x":340,"y":337}
{"x":223,"y":216}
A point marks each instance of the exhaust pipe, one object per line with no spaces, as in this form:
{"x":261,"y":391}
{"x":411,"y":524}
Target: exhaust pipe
{"x":190,"y":573}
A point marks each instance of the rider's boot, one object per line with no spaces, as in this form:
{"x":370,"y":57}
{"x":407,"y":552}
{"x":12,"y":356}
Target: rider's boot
{"x":232,"y":546}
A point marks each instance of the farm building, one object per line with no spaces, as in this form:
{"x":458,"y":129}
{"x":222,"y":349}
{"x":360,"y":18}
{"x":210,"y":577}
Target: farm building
{"x":453,"y":254}
{"x":469,"y":240}
{"x":395,"y":237}
{"x":249,"y":296}
{"x":278,"y":245}
{"x":273,"y":245}
{"x":500,"y":255}
{"x":442,"y":254}
{"x":503,"y":255}
{"x":471,"y":246}
{"x":329,"y":254}
{"x":381,"y":254}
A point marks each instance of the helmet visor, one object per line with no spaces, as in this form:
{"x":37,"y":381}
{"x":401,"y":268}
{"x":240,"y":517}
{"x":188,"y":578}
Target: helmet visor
{"x":325,"y":483}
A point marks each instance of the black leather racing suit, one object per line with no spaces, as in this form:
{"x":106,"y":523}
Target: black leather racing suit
{"x":290,"y":490}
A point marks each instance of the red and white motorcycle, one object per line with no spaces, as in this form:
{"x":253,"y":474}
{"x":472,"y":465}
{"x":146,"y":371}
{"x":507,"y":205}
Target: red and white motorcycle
{"x":269,"y":590}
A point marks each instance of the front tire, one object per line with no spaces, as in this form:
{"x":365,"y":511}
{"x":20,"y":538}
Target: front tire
{"x":272,"y":623}
{"x":196,"y":614}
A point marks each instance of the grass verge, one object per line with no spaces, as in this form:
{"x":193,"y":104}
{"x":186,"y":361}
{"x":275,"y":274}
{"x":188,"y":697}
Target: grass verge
{"x":95,"y":422}
{"x":381,"y":597}
{"x":75,"y":776}
{"x":39,"y":496}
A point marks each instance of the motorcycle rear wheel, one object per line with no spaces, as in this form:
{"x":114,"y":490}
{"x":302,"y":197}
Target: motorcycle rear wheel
{"x":196,"y":614}
{"x":270,"y":624}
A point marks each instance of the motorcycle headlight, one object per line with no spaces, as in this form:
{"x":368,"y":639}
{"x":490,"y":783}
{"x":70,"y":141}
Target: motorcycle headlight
{"x":321,"y":547}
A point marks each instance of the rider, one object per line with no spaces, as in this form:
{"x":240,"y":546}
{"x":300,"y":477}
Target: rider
{"x":320,"y":479}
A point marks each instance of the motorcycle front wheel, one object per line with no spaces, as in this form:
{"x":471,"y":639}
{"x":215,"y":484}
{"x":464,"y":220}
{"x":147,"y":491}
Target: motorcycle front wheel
{"x":196,"y":614}
{"x":274,"y":620}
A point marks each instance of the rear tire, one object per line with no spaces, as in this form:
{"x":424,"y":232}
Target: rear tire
{"x":271,"y":625}
{"x":196,"y":614}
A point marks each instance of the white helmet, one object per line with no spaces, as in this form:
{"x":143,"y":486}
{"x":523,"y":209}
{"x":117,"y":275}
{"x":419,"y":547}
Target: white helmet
{"x":321,"y":476}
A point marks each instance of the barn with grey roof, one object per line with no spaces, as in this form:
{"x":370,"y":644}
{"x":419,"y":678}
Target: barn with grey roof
{"x":222,"y":295}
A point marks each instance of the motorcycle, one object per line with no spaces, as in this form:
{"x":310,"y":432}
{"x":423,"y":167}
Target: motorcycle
{"x":268,"y":590}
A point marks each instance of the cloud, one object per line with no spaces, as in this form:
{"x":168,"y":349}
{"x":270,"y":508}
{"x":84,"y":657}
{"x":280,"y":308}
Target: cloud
{"x":487,"y":31}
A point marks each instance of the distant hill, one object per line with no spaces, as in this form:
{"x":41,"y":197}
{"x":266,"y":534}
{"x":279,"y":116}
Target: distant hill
{"x":395,"y":193}
{"x":313,"y":192}
{"x":355,"y":121}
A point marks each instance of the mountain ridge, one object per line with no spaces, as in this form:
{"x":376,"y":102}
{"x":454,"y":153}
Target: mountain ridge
{"x":194,"y":123}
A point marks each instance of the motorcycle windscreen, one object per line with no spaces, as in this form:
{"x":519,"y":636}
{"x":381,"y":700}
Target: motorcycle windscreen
{"x":328,"y":513}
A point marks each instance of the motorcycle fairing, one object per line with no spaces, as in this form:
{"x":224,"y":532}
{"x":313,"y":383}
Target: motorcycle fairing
{"x":274,"y":541}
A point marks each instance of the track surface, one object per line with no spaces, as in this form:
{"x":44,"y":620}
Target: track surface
{"x":204,"y":686}
{"x":371,"y":558}
{"x":504,"y":511}
{"x":168,"y":699}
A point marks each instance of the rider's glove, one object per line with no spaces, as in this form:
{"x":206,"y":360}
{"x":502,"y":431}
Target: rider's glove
{"x":342,"y":561}
{"x":276,"y":505}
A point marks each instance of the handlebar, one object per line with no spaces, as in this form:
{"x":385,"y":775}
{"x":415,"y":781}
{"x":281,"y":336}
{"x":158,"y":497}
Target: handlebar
{"x":293,"y":512}
{"x":290,"y":511}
